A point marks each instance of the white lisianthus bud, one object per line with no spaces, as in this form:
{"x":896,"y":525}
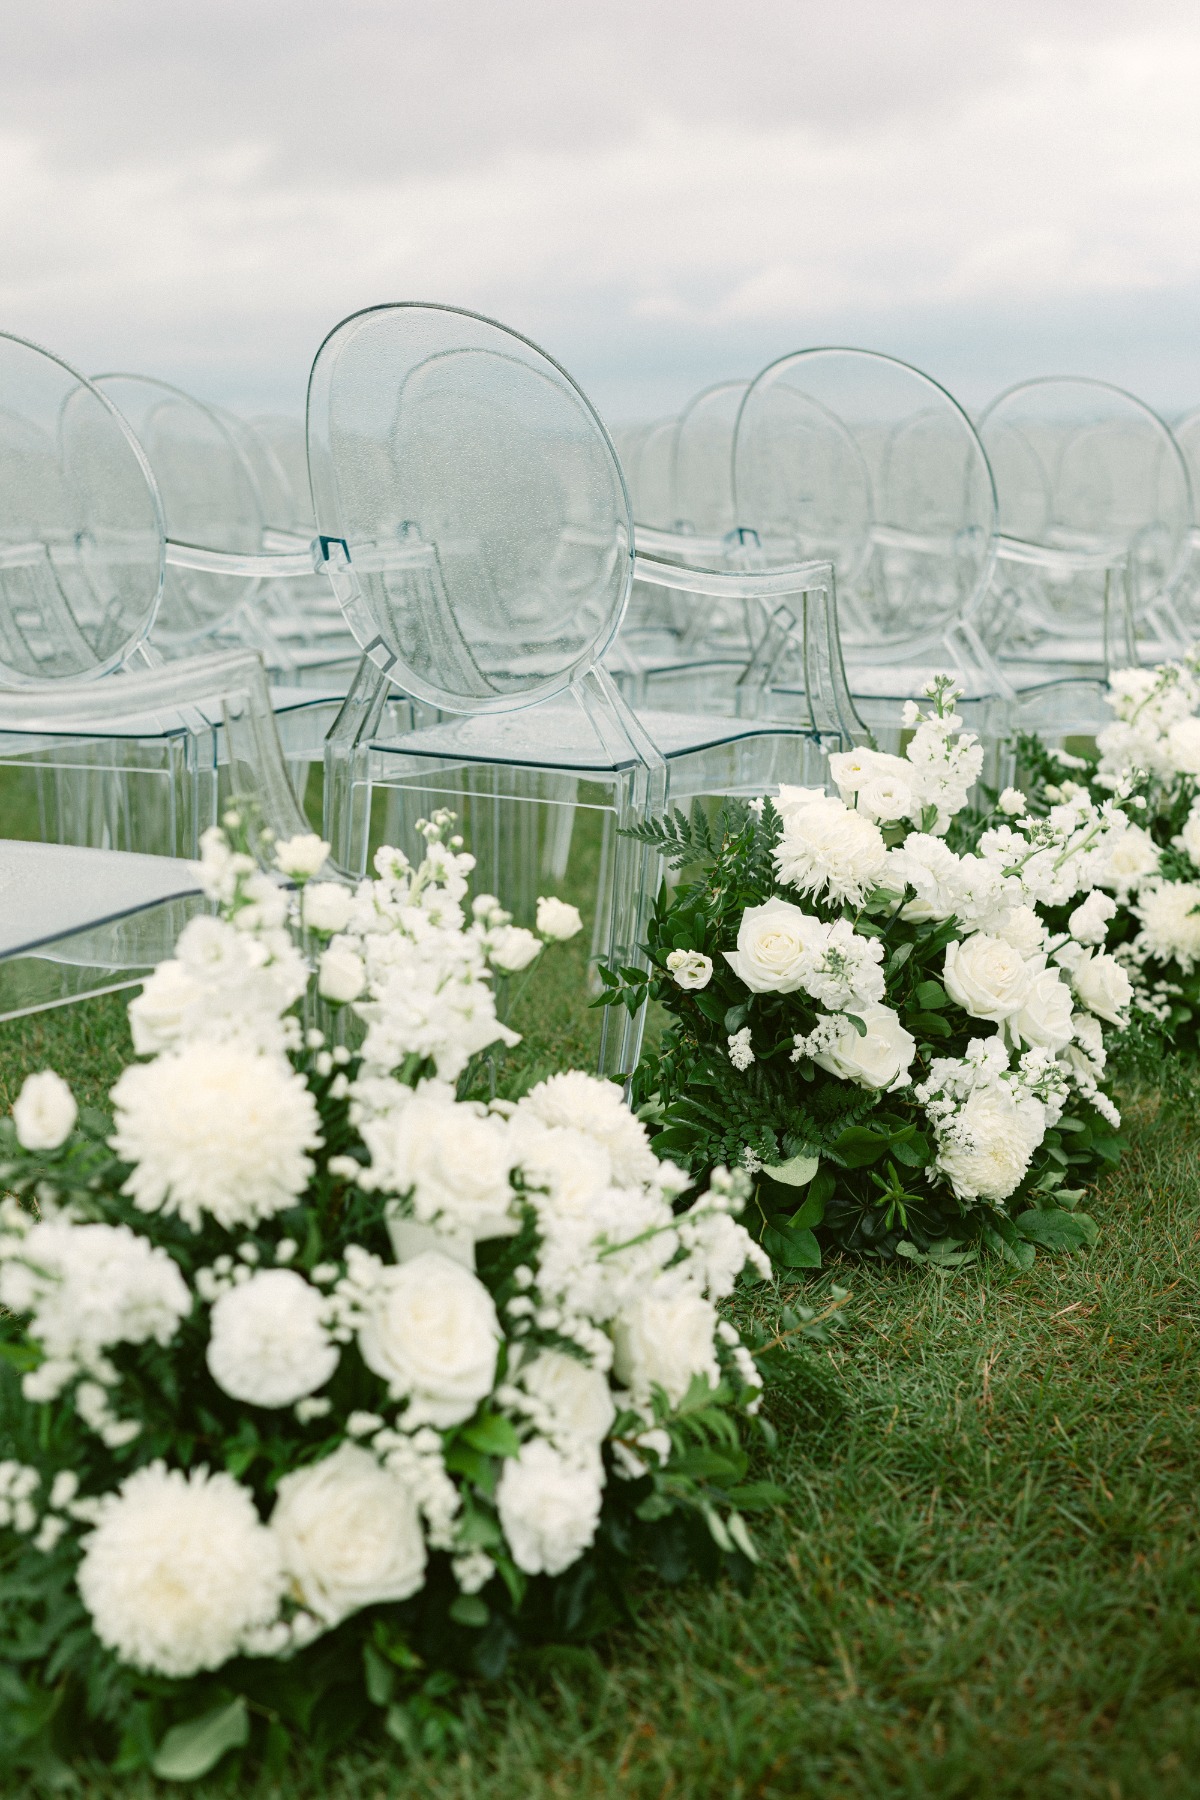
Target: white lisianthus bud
{"x":986,"y":976}
{"x":510,"y":948}
{"x":341,"y":976}
{"x":302,"y":856}
{"x":44,"y":1112}
{"x":557,"y":920}
{"x":1088,"y":924}
{"x":690,"y":969}
{"x":1013,"y":802}
{"x":327,"y":906}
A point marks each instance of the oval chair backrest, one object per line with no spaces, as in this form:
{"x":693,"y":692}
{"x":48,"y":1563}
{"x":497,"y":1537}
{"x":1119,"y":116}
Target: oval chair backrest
{"x":481,"y":502}
{"x":652,"y":476}
{"x":703,"y":482}
{"x":81,"y":526}
{"x":1083,"y":466}
{"x":209,"y":498}
{"x":287,"y":441}
{"x":861,"y":459}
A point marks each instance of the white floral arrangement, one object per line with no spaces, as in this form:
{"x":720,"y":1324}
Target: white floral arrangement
{"x":326,"y":1365}
{"x":899,"y":1007}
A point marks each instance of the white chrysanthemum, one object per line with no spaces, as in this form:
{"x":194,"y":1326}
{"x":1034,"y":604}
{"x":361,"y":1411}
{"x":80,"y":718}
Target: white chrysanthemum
{"x":179,"y":1571}
{"x":597,"y":1109}
{"x":985,"y":1151}
{"x":89,"y":1286}
{"x":432,"y":1333}
{"x":216,"y":1129}
{"x":1169,"y":915}
{"x":549,"y":1507}
{"x":349,"y":1534}
{"x":825,"y":848}
{"x":268,"y":1344}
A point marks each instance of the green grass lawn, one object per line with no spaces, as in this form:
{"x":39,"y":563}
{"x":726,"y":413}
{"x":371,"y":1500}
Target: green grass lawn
{"x":986,"y":1580}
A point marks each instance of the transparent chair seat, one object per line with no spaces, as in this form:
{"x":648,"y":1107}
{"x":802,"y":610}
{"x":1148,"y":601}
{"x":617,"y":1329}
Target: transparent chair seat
{"x":75,"y":922}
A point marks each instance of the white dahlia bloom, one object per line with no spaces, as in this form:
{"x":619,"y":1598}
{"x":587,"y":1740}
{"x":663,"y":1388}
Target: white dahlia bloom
{"x":1169,"y":915}
{"x":597,"y":1109}
{"x":349,"y":1534}
{"x":44,"y":1112}
{"x":549,"y":1507}
{"x":89,"y":1286}
{"x":268,"y":1344}
{"x":825,"y":848}
{"x":664,"y":1338}
{"x":179,"y":1570}
{"x":215,"y":1129}
{"x":430,"y":1331}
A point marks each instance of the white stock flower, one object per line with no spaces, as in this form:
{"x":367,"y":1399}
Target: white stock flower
{"x":91,"y":1285}
{"x":1104,"y":987}
{"x":824,"y":848}
{"x":326,"y":906}
{"x":214,"y":1128}
{"x":44,"y":1111}
{"x":302,"y":856}
{"x":222,"y":984}
{"x":1088,"y":924}
{"x":878,"y":785}
{"x":578,"y":1398}
{"x":341,"y":975}
{"x":596,"y":1108}
{"x":880,"y":1059}
{"x":430,"y":1331}
{"x":1013,"y":802}
{"x":775,"y":945}
{"x":664,"y":1338}
{"x":267,"y":1342}
{"x":557,"y":919}
{"x":1183,"y":746}
{"x":689,"y":969}
{"x":1169,"y":915}
{"x":1044,"y":1016}
{"x":1189,"y":838}
{"x":549,"y":1507}
{"x":179,"y":1570}
{"x":986,"y":976}
{"x":349,"y":1534}
{"x":450,"y":1156}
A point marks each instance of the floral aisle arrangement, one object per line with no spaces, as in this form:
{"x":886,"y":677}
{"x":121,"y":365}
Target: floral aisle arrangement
{"x":887,"y":1033}
{"x":323,"y":1379}
{"x":1148,"y":757}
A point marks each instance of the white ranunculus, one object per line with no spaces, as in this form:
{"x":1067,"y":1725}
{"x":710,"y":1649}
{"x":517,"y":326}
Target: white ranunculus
{"x":1169,"y":914}
{"x":511,"y":948}
{"x":994,"y":1137}
{"x":549,"y":1507}
{"x":1045,"y":1015}
{"x":1189,"y":837}
{"x":302,"y":856}
{"x":327,"y":906}
{"x":885,"y":798}
{"x":44,"y":1111}
{"x":557,"y":920}
{"x":1088,"y":924}
{"x":341,"y":975}
{"x":1132,"y":860}
{"x":1183,"y":746}
{"x":1021,"y":927}
{"x":216,"y":1129}
{"x":578,"y":1397}
{"x":663,"y":1339}
{"x":349,"y":1533}
{"x":1103,"y":987}
{"x":179,"y":1570}
{"x":879,"y":1060}
{"x":776,"y":944}
{"x":825,"y":848}
{"x":267,"y":1341}
{"x":690,"y":969}
{"x":432,"y":1334}
{"x":987,"y":977}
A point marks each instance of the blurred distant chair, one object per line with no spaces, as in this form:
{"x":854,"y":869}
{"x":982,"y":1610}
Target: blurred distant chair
{"x":1186,"y":594}
{"x":487,"y":555}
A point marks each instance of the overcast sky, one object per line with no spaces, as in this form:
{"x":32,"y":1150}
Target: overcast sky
{"x":662,"y":194}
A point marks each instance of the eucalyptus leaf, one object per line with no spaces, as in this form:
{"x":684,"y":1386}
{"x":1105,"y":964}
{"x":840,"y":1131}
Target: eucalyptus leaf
{"x":192,"y":1749}
{"x":797,"y":1171}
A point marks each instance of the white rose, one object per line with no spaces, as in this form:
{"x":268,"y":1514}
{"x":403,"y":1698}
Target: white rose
{"x":557,"y":920}
{"x":578,"y":1397}
{"x":987,"y":977}
{"x":341,"y":976}
{"x":1132,"y":859}
{"x":1104,"y":987}
{"x":432,"y":1334}
{"x":886,"y":799}
{"x":690,"y":968}
{"x":157,"y":1014}
{"x":268,"y":1344}
{"x":1183,"y":746}
{"x":1189,"y":837}
{"x":511,"y":948}
{"x":1045,"y":1016}
{"x":302,"y":856}
{"x":986,"y":1155}
{"x":549,"y":1508}
{"x":349,"y":1533}
{"x":44,"y":1111}
{"x":1088,"y":924}
{"x":451,"y":1158}
{"x":663,"y":1339}
{"x":880,"y":1059}
{"x":775,"y":947}
{"x":327,"y":906}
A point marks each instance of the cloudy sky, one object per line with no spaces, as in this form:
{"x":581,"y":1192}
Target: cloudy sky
{"x":662,"y":192}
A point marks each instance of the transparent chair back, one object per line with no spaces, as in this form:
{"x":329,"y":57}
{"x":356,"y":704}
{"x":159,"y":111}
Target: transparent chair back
{"x":703,"y":480}
{"x":288,"y":444}
{"x":1095,"y":514}
{"x":651,"y":474}
{"x":1186,"y":593}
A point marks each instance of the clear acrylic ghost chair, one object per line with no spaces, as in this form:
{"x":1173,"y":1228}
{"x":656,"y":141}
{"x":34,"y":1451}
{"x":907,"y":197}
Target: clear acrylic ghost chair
{"x":861,"y":459}
{"x":487,"y":555}
{"x":1095,"y":514}
{"x":92,"y":754}
{"x":75,"y":922}
{"x":1185,"y":595}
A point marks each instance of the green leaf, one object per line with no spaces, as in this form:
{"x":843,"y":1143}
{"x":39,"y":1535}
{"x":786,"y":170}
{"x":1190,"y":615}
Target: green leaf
{"x":753,"y":1495}
{"x":914,"y":1154}
{"x":493,"y":1436}
{"x":736,"y":1017}
{"x":1054,"y":1229}
{"x":469,"y":1609}
{"x":797,"y":1171}
{"x":379,"y":1677}
{"x":794,"y":1249}
{"x":898,"y":958}
{"x":859,"y":1145}
{"x":1000,"y":1235}
{"x":927,"y":1024}
{"x":931,"y":996}
{"x":192,"y":1749}
{"x":810,"y":1213}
